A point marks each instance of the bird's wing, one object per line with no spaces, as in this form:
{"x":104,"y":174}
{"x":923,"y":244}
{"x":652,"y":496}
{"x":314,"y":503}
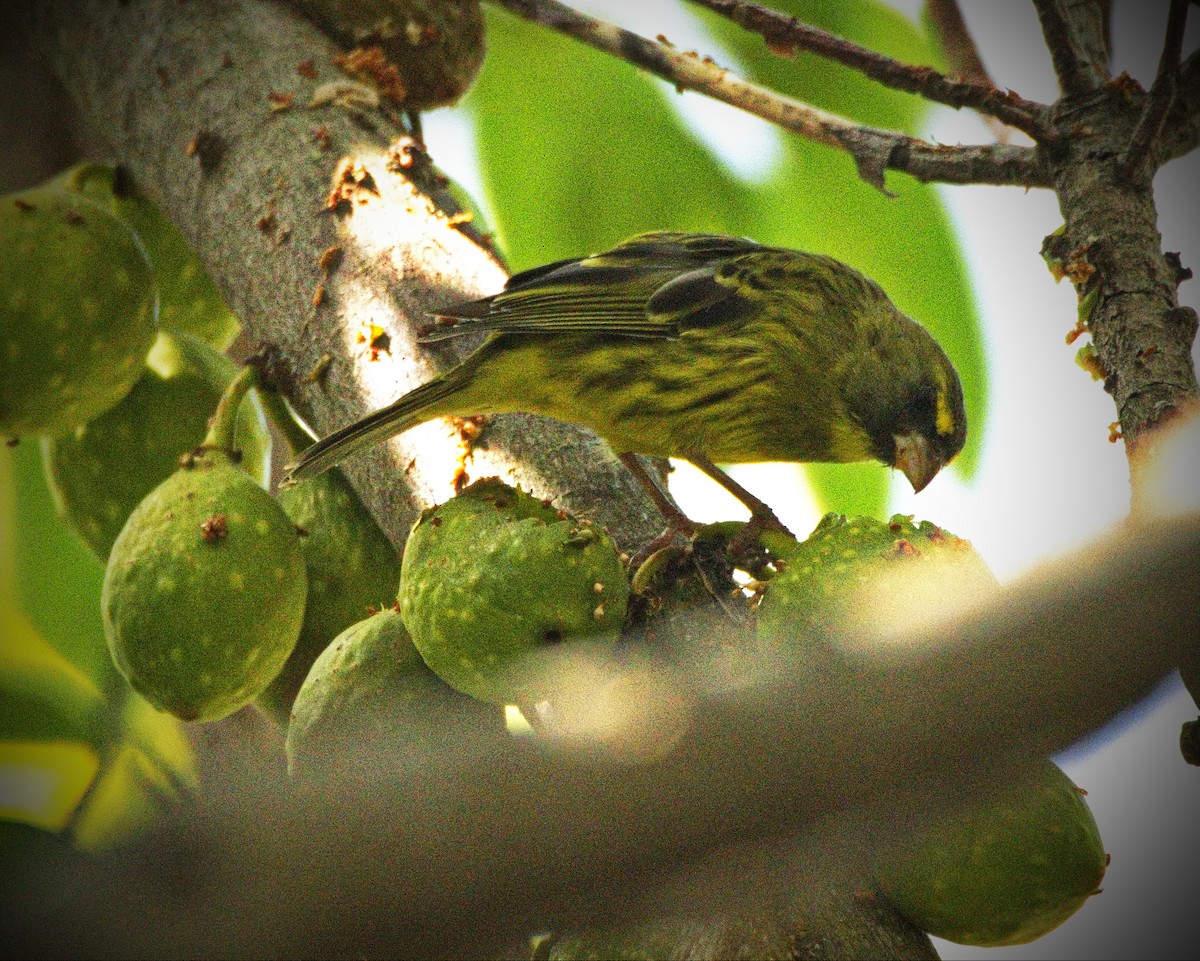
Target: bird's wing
{"x":652,"y":286}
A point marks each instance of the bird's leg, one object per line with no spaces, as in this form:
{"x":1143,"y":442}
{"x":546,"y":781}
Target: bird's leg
{"x":761,"y":516}
{"x":677,"y":521}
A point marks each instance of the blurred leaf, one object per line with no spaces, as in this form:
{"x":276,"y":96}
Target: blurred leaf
{"x":58,"y":581}
{"x":816,"y":201}
{"x":8,"y":551}
{"x":579,"y":150}
{"x":43,"y":696}
{"x":65,"y":710}
{"x":126,"y":799}
{"x":41,"y":783}
{"x":164,"y":742}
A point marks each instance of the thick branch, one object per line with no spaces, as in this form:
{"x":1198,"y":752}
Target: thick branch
{"x":1077,"y":63}
{"x":189,"y":97}
{"x":1111,"y":249}
{"x":1140,"y":160}
{"x":874,"y":151}
{"x":485,"y":846}
{"x":785,"y":34}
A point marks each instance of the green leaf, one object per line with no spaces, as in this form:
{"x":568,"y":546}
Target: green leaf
{"x":57,"y":579}
{"x":579,"y":150}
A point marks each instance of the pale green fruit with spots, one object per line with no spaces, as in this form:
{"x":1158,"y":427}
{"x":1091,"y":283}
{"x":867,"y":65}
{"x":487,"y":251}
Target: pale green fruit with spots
{"x":78,"y":312}
{"x":1006,"y":871}
{"x":370,"y":699}
{"x":861,"y":578}
{"x":101,"y":471}
{"x":352,"y":567}
{"x":493,"y":576}
{"x":205,"y":586}
{"x":189,"y":301}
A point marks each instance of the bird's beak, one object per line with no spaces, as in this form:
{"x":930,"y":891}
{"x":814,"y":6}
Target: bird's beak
{"x":918,"y":458}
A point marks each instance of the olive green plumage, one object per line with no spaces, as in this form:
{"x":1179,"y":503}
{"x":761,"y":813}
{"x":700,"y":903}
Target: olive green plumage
{"x":701,"y":347}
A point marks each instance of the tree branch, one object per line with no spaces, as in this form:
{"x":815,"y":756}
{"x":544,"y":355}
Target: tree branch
{"x":1181,"y":135}
{"x":1141,"y":159}
{"x":962,"y":52}
{"x":257,"y":203}
{"x":874,"y":151}
{"x":785,"y":35}
{"x":1076,"y":64}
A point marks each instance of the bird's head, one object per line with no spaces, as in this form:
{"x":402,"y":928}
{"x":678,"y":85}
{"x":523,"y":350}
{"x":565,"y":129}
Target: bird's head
{"x":909,"y":400}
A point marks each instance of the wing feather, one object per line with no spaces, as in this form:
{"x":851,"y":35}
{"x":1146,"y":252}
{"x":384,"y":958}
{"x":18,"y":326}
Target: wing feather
{"x":654,"y":285}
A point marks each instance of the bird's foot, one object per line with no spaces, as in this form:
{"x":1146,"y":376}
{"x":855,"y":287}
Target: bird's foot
{"x":745,"y":548}
{"x":678,"y":525}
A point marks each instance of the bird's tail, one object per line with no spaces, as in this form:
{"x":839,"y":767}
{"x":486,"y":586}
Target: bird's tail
{"x":413,"y":408}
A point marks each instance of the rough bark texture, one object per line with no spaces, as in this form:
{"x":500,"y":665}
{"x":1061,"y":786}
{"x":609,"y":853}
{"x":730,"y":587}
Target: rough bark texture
{"x":1142,"y":336}
{"x":1110,"y":246}
{"x":188,"y":96}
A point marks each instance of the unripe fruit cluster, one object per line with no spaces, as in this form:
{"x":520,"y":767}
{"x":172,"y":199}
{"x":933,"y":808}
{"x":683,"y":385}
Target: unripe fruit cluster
{"x":217,"y":595}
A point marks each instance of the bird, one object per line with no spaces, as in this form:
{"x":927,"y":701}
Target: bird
{"x":703,"y":347}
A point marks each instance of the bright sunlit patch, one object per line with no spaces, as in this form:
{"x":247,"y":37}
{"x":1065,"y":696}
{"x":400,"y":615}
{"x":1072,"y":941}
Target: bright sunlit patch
{"x":515,"y":721}
{"x":782,"y":486}
{"x":450,"y":141}
{"x":383,"y":220}
{"x":1166,"y":468}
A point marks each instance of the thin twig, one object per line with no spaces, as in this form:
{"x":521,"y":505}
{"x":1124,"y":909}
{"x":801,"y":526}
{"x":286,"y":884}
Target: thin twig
{"x":786,"y":35}
{"x":1075,"y":74}
{"x":1106,"y":13}
{"x":962,"y":52}
{"x":874,"y":151}
{"x":956,"y":40}
{"x":1182,"y":132}
{"x":1141,"y":157}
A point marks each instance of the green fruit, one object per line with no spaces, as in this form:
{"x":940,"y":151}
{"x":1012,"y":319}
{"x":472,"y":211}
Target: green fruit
{"x":189,"y":301}
{"x":352,"y":567}
{"x":204,"y":590}
{"x":1003,"y":872}
{"x":369,"y":696}
{"x":77,"y":312}
{"x":492,"y":576}
{"x":864,"y":578}
{"x":102,"y":471}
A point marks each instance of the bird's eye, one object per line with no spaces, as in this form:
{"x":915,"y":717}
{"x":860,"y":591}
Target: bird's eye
{"x":926,"y":400}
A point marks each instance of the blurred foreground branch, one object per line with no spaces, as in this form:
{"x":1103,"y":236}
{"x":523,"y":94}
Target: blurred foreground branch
{"x":774,"y":791}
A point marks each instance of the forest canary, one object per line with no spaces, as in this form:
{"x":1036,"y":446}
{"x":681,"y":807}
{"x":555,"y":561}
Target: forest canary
{"x":698,"y":346}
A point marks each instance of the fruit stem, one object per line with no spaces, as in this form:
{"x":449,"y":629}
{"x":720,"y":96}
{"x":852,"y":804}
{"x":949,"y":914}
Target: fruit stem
{"x":285,"y":419}
{"x":224,"y":422}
